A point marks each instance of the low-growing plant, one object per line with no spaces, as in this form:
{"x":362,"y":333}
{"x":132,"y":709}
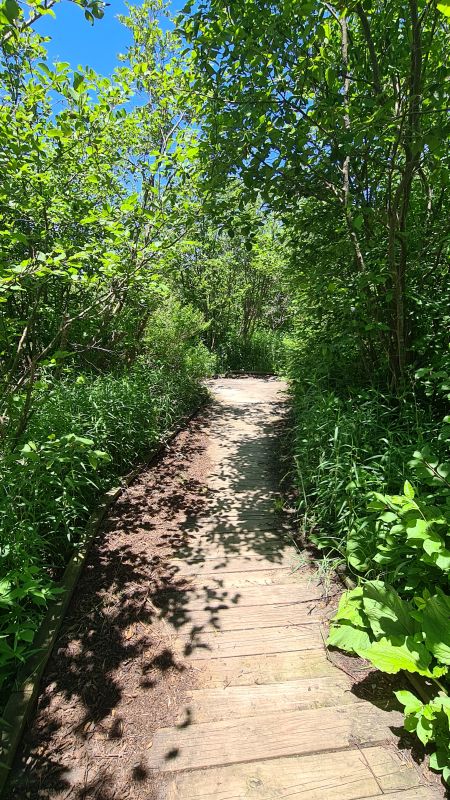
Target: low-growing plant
{"x":347,"y":445}
{"x":374,"y":622}
{"x":23,"y":598}
{"x":50,"y":482}
{"x":261,"y":351}
{"x":412,"y":534}
{"x":409,"y":632}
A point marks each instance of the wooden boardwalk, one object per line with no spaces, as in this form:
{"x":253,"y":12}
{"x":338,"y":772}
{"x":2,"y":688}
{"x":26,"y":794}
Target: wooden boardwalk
{"x":271,"y":717}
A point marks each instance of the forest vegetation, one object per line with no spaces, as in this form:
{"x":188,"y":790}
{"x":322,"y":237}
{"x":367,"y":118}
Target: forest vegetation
{"x":258,"y":186}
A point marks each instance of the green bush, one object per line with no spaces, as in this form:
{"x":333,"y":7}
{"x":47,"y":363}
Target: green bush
{"x":345,"y":446}
{"x":263,"y":351}
{"x":84,"y":434}
{"x":352,"y":447}
{"x":374,"y":622}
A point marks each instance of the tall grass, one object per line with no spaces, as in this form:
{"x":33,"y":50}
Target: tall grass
{"x":84,"y":434}
{"x":346,"y":445}
{"x":263,"y":351}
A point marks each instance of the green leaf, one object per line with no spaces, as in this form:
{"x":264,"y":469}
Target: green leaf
{"x":77,"y":80}
{"x":11,"y":10}
{"x":388,"y":614}
{"x":393,"y":655}
{"x":444,"y":8}
{"x":26,"y":634}
{"x":411,"y":702}
{"x":408,"y":490}
{"x":436,"y":627}
{"x":349,"y":638}
{"x":424,"y":729}
{"x":417,"y":529}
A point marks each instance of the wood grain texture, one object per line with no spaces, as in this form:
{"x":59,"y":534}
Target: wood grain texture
{"x":212,"y":705}
{"x":262,"y":669}
{"x":196,"y":565}
{"x":240,"y":580}
{"x":341,"y":775}
{"x":219,"y":616}
{"x":272,"y":595}
{"x":224,"y":644}
{"x":233,"y":741}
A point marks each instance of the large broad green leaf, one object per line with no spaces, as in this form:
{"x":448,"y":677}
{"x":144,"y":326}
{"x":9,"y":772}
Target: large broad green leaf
{"x":436,"y":627}
{"x":350,"y":629}
{"x":417,"y":529}
{"x":388,"y":614}
{"x":349,"y":638}
{"x":350,"y":608}
{"x":412,"y":703}
{"x":393,"y":655}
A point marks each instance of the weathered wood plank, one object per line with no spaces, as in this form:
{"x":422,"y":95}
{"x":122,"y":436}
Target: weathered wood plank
{"x":392,"y":773}
{"x":261,"y":669}
{"x":270,"y":736}
{"x":200,"y":565}
{"x":200,"y":644}
{"x":212,"y":705}
{"x":418,"y":793}
{"x":341,"y":775}
{"x":241,"y":580}
{"x":218,"y":615}
{"x":225,"y":549}
{"x":272,"y":595}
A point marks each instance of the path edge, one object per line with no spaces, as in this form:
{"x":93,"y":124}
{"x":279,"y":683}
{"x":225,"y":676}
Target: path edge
{"x":19,"y":707}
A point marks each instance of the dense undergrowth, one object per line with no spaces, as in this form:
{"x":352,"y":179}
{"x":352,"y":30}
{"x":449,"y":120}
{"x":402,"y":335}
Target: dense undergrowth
{"x":86,"y":432}
{"x":262,"y":352}
{"x":373,"y":483}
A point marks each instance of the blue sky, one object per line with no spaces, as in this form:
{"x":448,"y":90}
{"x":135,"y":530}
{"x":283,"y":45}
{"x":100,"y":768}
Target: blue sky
{"x":74,"y":40}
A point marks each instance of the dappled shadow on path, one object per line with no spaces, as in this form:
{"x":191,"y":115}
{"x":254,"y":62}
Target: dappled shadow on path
{"x":152,"y":591}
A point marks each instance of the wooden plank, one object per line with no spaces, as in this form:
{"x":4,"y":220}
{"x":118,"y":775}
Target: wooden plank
{"x":212,"y":705}
{"x":392,"y":771}
{"x":262,"y":577}
{"x":219,"y":616}
{"x":227,"y":513}
{"x":261,"y":669}
{"x":200,"y":644}
{"x":213,"y":543}
{"x":227,"y":546}
{"x":275,"y":594}
{"x":231,"y":562}
{"x":270,"y":736}
{"x":418,"y":793}
{"x":341,"y":775}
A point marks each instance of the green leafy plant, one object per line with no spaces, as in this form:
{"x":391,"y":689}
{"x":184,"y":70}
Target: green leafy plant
{"x":23,"y":598}
{"x":413,"y":533}
{"x":374,"y":622}
{"x":431,"y":722}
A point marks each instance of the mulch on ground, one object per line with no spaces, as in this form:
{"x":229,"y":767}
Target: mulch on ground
{"x":113,"y":677}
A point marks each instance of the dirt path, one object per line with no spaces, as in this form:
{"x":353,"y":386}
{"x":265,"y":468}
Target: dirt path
{"x":191,"y":665}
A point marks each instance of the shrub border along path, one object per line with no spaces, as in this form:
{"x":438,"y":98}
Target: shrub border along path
{"x":19,"y":706}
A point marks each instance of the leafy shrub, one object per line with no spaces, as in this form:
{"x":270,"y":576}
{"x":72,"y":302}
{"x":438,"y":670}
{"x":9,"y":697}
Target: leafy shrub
{"x":262,"y":351}
{"x":412,"y":534}
{"x":402,"y":623}
{"x":374,"y":622}
{"x":172,"y":340}
{"x":50,"y":484}
{"x":351,"y":450}
{"x":347,"y":445}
